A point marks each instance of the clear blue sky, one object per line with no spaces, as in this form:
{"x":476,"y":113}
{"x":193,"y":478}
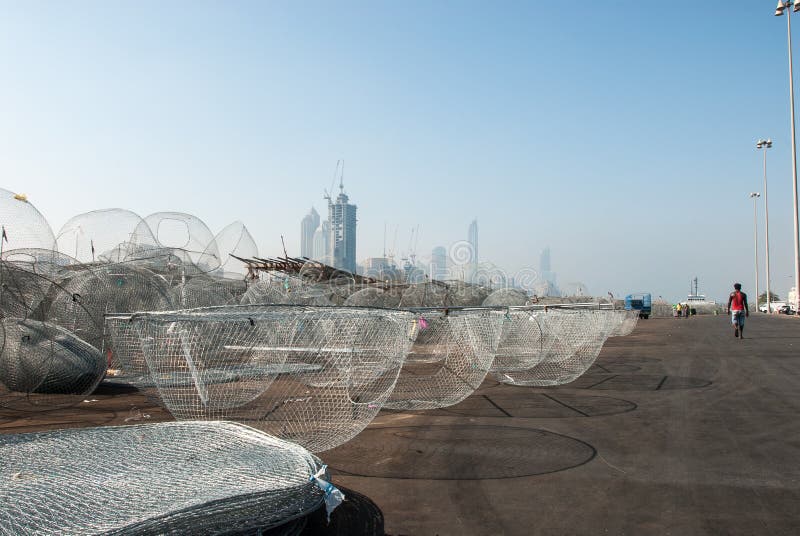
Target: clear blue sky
{"x":619,"y":133}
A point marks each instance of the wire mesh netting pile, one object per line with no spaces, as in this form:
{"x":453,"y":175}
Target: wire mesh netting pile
{"x":176,"y":478}
{"x":314,"y":375}
{"x":450,"y":358}
{"x":162,"y":303}
{"x":56,"y":288}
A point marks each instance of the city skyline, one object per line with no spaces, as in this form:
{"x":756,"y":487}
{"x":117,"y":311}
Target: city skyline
{"x":552,"y":130}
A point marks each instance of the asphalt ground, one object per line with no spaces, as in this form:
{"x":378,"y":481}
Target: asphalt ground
{"x":679,"y":428}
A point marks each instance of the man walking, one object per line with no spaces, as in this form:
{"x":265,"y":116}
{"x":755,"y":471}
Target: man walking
{"x":738,"y":309}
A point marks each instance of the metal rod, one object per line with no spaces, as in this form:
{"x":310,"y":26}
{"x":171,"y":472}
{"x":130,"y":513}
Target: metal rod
{"x":794,"y":167}
{"x":766,"y":220}
{"x":755,"y":238}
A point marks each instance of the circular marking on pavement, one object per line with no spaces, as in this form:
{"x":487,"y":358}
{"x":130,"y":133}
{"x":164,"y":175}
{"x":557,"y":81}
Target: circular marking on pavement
{"x":612,"y":368}
{"x":458,"y":452}
{"x":637,"y":382}
{"x":536,"y":406}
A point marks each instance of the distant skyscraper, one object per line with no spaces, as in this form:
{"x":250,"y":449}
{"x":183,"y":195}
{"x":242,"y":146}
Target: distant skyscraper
{"x":342,"y":216}
{"x":308,"y":225}
{"x":471,"y":268}
{"x":544,"y":260}
{"x":322,"y":242}
{"x":438,"y":264}
{"x":546,"y":285}
{"x":472,"y":238}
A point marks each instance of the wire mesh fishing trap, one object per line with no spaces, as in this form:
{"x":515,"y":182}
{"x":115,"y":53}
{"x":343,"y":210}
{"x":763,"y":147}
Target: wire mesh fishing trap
{"x":572,"y":340}
{"x":313,"y":375}
{"x":449,"y":359}
{"x":166,"y":478}
{"x":627,"y":323}
{"x":523,"y":343}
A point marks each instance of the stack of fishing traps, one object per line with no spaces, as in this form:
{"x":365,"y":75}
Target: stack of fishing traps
{"x":260,"y":370}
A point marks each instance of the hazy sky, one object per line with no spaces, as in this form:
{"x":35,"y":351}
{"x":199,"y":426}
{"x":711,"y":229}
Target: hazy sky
{"x":621,"y":134}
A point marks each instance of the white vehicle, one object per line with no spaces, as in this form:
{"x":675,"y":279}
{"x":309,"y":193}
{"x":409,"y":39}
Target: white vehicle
{"x":774,"y":307}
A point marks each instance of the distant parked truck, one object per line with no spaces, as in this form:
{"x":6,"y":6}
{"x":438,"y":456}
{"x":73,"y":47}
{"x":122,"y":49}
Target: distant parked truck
{"x":639,"y":302}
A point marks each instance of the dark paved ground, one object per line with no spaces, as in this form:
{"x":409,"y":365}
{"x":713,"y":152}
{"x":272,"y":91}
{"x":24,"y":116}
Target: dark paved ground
{"x":678,"y":429}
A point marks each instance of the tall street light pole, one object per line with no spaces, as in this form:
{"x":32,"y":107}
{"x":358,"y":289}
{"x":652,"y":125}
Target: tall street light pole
{"x":754,"y":196}
{"x":766,"y":144}
{"x":778,"y":12}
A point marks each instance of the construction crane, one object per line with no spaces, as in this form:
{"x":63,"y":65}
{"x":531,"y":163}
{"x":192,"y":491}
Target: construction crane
{"x":327,"y":196}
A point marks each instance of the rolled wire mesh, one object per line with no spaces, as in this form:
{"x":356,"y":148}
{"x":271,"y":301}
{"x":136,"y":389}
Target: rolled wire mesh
{"x":522,"y":343}
{"x":165,"y":478}
{"x":449,"y":359}
{"x":313,"y":375}
{"x":571,"y":341}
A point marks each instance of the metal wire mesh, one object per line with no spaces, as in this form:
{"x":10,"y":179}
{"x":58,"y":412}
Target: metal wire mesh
{"x":507,"y":297}
{"x":202,"y":291}
{"x":80,"y":303}
{"x":424,"y":295}
{"x":275,"y":292}
{"x":106,"y":235}
{"x":571,"y":342}
{"x":314,"y":375}
{"x":627,"y":323}
{"x":23,"y":226}
{"x":22,"y":291}
{"x":234,"y":239}
{"x":372,"y":297}
{"x":465,"y":294}
{"x":185,"y":232}
{"x":166,"y":478}
{"x":44,"y":262}
{"x":44,"y":366}
{"x":449,"y":359}
{"x":523,"y":343}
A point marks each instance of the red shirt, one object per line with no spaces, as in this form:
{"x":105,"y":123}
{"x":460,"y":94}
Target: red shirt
{"x":737,"y":301}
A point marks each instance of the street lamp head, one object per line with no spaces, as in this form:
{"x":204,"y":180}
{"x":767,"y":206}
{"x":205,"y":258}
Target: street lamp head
{"x":780,"y":8}
{"x":755,"y":194}
{"x":769,"y":142}
{"x":796,"y":7}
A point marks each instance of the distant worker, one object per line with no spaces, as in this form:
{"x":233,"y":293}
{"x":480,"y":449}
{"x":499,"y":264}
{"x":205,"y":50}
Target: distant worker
{"x":738,"y":309}
{"x":678,"y":309}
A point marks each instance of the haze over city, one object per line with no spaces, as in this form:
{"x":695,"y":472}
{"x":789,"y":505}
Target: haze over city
{"x":622,"y":136}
